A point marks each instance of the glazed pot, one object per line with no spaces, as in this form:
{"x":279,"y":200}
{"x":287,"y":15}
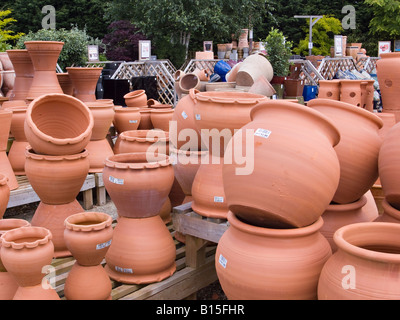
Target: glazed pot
{"x":103,"y":116}
{"x":389,"y":80}
{"x":281,"y":264}
{"x":153,"y":141}
{"x":136,"y":98}
{"x":252,"y":68}
{"x":296,"y":187}
{"x":142,"y":251}
{"x":366,"y":264}
{"x":329,"y":89}
{"x":84,"y":80}
{"x":99,"y":151}
{"x":24,"y":73}
{"x":138,"y":183}
{"x":160,"y":118}
{"x":145,"y":119}
{"x":358,"y":148}
{"x":58,"y":124}
{"x":65,"y":82}
{"x":126,"y":118}
{"x":350,"y":92}
{"x":44,"y":56}
{"x":4,"y":194}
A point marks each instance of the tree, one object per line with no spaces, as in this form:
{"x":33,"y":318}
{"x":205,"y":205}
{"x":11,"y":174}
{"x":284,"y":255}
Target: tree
{"x":7,"y":36}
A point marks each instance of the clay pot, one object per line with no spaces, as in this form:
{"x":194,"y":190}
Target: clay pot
{"x":84,"y":81}
{"x":5,"y":126}
{"x":202,"y":74}
{"x":389,"y":213}
{"x":138,"y":183}
{"x":263,"y":87}
{"x":142,"y":251}
{"x":329,"y":89}
{"x":103,"y":116}
{"x":350,"y":92}
{"x":44,"y":56}
{"x":389,"y":80}
{"x":277,"y":195}
{"x":367,"y":95}
{"x":136,"y":98}
{"x":126,"y":118}
{"x":160,"y":118}
{"x":58,"y":124}
{"x":24,"y":73}
{"x":152,"y":103}
{"x":145,"y":119}
{"x":294,"y":87}
{"x":24,"y":253}
{"x":7,"y":170}
{"x":65,"y":83}
{"x":358,"y":148}
{"x":88,"y":236}
{"x":189,"y":81}
{"x":254,"y":66}
{"x":153,"y":141}
{"x":366,"y":264}
{"x":177,"y":77}
{"x":4,"y":194}
{"x":389,"y":120}
{"x":99,"y":151}
{"x":231,"y":75}
{"x":288,"y":260}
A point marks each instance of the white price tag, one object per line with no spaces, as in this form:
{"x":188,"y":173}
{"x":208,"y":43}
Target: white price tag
{"x":198,"y":117}
{"x":222,"y":260}
{"x":219,"y":199}
{"x":132,"y":121}
{"x":263,"y":133}
{"x":115,"y":180}
{"x":103,"y":245}
{"x":184,"y":115}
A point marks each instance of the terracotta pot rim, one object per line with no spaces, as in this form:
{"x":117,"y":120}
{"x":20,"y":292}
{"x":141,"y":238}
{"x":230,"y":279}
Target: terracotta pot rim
{"x":83,"y":68}
{"x":162,"y":110}
{"x":9,"y":237}
{"x":115,"y":161}
{"x":17,"y":51}
{"x":160,"y":106}
{"x":126,"y":109}
{"x":16,"y":109}
{"x":57,"y":141}
{"x":228,"y":97}
{"x":5,"y":112}
{"x":348,"y":206}
{"x":3,"y":179}
{"x":276,"y":233}
{"x":142,"y":135}
{"x":173,"y":149}
{"x":357,"y":229}
{"x":30,"y":154}
{"x":390,"y":54}
{"x":103,"y":221}
{"x":10,"y":224}
{"x":134,"y":94}
{"x":145,"y":110}
{"x":43,"y":41}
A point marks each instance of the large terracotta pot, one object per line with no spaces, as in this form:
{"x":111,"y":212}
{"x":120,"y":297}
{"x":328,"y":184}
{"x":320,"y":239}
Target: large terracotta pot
{"x":24,"y":73}
{"x":84,"y":81}
{"x":366,"y":264}
{"x":329,"y":89}
{"x":58,"y":124}
{"x":138,"y":183}
{"x":160,"y":118}
{"x":136,"y":98}
{"x":389,"y":79}
{"x":350,"y":92}
{"x":302,"y":174}
{"x":254,"y":66}
{"x":126,"y":118}
{"x":358,"y":148}
{"x":4,"y":194}
{"x":281,"y":264}
{"x":44,"y":56}
{"x":24,"y":253}
{"x":88,"y":236}
{"x":65,"y":82}
{"x":142,"y":251}
{"x":154,"y":141}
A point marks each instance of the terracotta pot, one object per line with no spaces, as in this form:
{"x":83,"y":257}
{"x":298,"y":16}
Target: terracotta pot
{"x":152,"y":103}
{"x":243,"y":39}
{"x":160,"y":118}
{"x":84,"y":81}
{"x":389,"y":213}
{"x":231,"y":75}
{"x":126,"y":118}
{"x":5,"y":126}
{"x":142,"y":251}
{"x":65,"y":83}
{"x":278,"y":196}
{"x":189,"y":81}
{"x":16,"y":157}
{"x":252,"y":68}
{"x":4,"y":194}
{"x":99,"y":151}
{"x":288,"y":260}
{"x":366,"y":264}
{"x":56,"y":179}
{"x":72,"y":132}
{"x":136,"y":98}
{"x":177,"y":77}
{"x":293,"y":87}
{"x":263,"y":87}
{"x":153,"y":141}
{"x":145,"y":119}
{"x":389,"y":79}
{"x":138,"y":183}
{"x":358,"y":148}
{"x":24,"y":72}
{"x":329,"y":89}
{"x":24,"y":252}
{"x":350,"y":92}
{"x":367,"y":95}
{"x":18,"y":109}
{"x":103,"y":116}
{"x":44,"y":56}
{"x":389,"y":120}
{"x":7,"y":170}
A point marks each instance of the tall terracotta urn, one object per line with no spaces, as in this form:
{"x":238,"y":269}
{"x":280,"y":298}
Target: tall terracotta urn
{"x":24,"y":73}
{"x":387,"y":68}
{"x":5,"y":165}
{"x":84,"y":80}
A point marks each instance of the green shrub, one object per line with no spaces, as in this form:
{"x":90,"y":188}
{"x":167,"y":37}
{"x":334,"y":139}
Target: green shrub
{"x":278,"y":52}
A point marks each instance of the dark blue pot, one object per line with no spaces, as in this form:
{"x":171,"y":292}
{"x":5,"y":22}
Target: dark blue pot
{"x":222,"y":68}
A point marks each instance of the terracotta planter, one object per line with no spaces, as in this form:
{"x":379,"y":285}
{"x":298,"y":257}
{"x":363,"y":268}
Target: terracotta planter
{"x":24,"y":73}
{"x":99,"y":151}
{"x":24,"y":252}
{"x":126,"y":118}
{"x":5,"y":126}
{"x":72,"y":132}
{"x":4,"y":194}
{"x":358,"y":148}
{"x":389,"y":80}
{"x":137,"y":99}
{"x":177,"y":77}
{"x":389,"y":213}
{"x":103,"y":116}
{"x":153,"y":141}
{"x":329,"y":89}
{"x":145,"y":119}
{"x":252,"y":68}
{"x":16,"y":157}
{"x":369,"y":251}
{"x":84,"y":81}
{"x":189,"y":81}
{"x":367,"y":95}
{"x":288,"y":260}
{"x":88,"y":236}
{"x":152,"y":103}
{"x":262,"y":86}
{"x":160,"y":118}
{"x":142,"y":251}
{"x":7,"y":170}
{"x":283,"y":194}
{"x":293,"y":87}
{"x":44,"y":56}
{"x":65,"y":82}
{"x":138,"y":183}
{"x":389,"y":120}
{"x":350,"y":92}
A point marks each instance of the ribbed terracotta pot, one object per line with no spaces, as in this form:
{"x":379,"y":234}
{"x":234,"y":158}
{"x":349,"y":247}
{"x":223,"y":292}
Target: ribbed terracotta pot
{"x":126,"y":118}
{"x":138,"y":183}
{"x":329,"y":89}
{"x":303,"y":170}
{"x":280,"y":264}
{"x":65,"y":82}
{"x":24,"y":253}
{"x":84,"y":81}
{"x":136,"y":98}
{"x":358,"y":148}
{"x":389,"y":80}
{"x":58,"y":124}
{"x":366,"y":264}
{"x":24,"y":73}
{"x":44,"y":56}
{"x":154,"y":141}
{"x":160,"y":118}
{"x":4,"y":194}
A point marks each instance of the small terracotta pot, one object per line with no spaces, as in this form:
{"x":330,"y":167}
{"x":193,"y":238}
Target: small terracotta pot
{"x":329,"y":89}
{"x":103,"y":116}
{"x":189,"y":81}
{"x":145,"y":119}
{"x":136,"y":98}
{"x":126,"y":118}
{"x":84,"y":80}
{"x":23,"y":68}
{"x":4,"y":194}
{"x":152,"y":103}
{"x":17,"y":158}
{"x":153,"y":141}
{"x":160,"y":118}
{"x":58,"y":124}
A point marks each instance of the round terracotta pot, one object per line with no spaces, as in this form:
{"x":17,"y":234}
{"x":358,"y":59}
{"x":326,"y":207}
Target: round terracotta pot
{"x":389,"y":81}
{"x":44,"y":56}
{"x":153,"y":103}
{"x":329,"y":89}
{"x":145,"y":119}
{"x":289,"y":261}
{"x":142,"y":251}
{"x":350,"y":92}
{"x":84,"y":81}
{"x":358,"y":148}
{"x":56,"y":179}
{"x":65,"y":82}
{"x":389,"y":213}
{"x":303,"y":169}
{"x":389,"y":120}
{"x":99,"y":151}
{"x":126,"y":118}
{"x":4,"y":194}
{"x":103,"y":116}
{"x":160,"y":118}
{"x":154,"y":141}
{"x":366,"y":264}
{"x":24,"y":72}
{"x":138,"y":183}
{"x":58,"y":124}
{"x":136,"y":98}
{"x":189,"y":81}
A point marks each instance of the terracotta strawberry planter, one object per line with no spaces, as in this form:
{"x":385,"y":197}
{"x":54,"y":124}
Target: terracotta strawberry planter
{"x":350,"y":92}
{"x":84,"y":81}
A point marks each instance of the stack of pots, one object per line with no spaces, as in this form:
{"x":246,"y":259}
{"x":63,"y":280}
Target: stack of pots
{"x":58,"y":128}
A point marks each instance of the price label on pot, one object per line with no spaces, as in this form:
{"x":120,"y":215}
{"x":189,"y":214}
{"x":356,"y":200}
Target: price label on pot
{"x":123,"y":270}
{"x":198,"y":117}
{"x":263,"y":133}
{"x":222,"y":260}
{"x":184,"y":115}
{"x":115,"y":180}
{"x":219,"y":199}
{"x":103,"y":245}
{"x":132,"y":121}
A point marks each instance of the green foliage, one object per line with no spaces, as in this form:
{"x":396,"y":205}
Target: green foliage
{"x":164,"y":48}
{"x":278,"y":51}
{"x":74,"y":52}
{"x":322,"y":36}
{"x":386,"y":20}
{"x":7,"y":36}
